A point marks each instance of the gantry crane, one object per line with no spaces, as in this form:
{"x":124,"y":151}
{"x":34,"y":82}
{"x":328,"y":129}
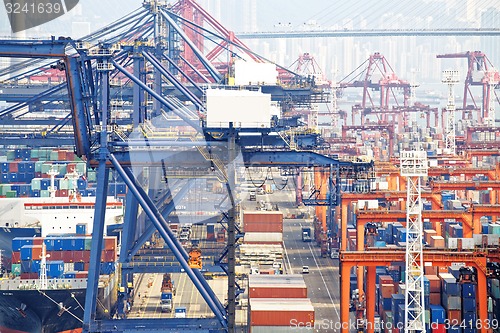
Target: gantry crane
{"x":103,"y":144}
{"x":480,"y":72}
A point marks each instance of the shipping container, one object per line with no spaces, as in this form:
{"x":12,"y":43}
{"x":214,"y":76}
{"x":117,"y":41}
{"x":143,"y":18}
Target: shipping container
{"x":280,"y":312}
{"x":277,"y":286}
{"x":263,"y":238}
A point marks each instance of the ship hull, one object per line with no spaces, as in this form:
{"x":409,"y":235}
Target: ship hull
{"x":43,"y":310}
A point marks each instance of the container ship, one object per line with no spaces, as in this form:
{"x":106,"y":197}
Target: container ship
{"x":46,"y":289}
{"x":47,"y":200}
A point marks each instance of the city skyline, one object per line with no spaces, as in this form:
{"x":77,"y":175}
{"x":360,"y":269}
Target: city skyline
{"x":336,"y":56}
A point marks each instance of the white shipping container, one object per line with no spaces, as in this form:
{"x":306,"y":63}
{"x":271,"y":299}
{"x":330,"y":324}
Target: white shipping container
{"x":252,"y":73}
{"x":368,"y":204}
{"x":246,"y":109}
{"x":452,"y":243}
{"x":263,"y":237}
{"x":467,"y":243}
{"x":493,"y":240}
{"x":69,"y":266}
{"x":478,"y":239}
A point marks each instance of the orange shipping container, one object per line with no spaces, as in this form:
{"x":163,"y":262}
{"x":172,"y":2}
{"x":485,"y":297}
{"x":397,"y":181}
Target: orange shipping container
{"x":437,"y":242}
{"x":278,"y":291}
{"x":258,"y":216}
{"x":428,"y":233}
{"x":387,"y":290}
{"x":430,"y":270}
{"x":280,"y":311}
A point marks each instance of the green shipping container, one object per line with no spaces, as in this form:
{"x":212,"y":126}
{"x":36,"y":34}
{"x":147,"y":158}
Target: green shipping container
{"x":44,"y":193}
{"x":54,"y":156}
{"x":16,"y":269}
{"x":46,"y":167}
{"x":11,"y":155}
{"x":64,"y":184}
{"x":38,"y":166}
{"x":88,"y":243}
{"x":36,"y":184}
{"x":81,"y":168}
{"x":34,"y":153}
{"x":4,"y":189}
{"x":11,"y":194}
{"x":91,"y":176}
{"x":427,"y":316}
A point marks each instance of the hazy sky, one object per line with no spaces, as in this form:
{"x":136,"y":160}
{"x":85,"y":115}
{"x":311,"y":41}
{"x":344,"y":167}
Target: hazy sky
{"x":239,"y":15}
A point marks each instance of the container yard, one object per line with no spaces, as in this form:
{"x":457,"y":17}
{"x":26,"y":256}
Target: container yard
{"x":160,"y":175}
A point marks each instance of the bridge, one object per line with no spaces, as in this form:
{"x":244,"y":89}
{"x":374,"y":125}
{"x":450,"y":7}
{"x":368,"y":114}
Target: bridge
{"x":371,"y":33}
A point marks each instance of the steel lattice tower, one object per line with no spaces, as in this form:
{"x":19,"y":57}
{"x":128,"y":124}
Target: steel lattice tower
{"x":492,"y":77}
{"x":450,"y":77}
{"x":414,"y":167}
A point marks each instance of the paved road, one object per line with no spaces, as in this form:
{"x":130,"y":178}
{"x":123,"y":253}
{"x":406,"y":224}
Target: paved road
{"x":323,"y":279}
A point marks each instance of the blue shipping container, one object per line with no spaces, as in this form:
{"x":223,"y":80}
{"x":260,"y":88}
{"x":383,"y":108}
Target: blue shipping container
{"x":468,"y":290}
{"x":19,"y":242}
{"x":79,"y":266}
{"x":451,"y":287}
{"x":469,"y":304}
{"x":438,"y":314}
{"x":427,"y":286}
{"x":55,"y":268}
{"x":81,"y":228}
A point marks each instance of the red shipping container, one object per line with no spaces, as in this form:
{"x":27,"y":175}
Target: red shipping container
{"x":61,"y":155}
{"x":455,"y":317}
{"x":16,"y":257}
{"x":67,"y":256}
{"x":438,"y":328}
{"x":109,"y":243}
{"x":387,"y":290}
{"x":277,"y":292}
{"x":55,"y":255}
{"x":435,"y":298}
{"x":38,"y":175}
{"x":13,"y":167}
{"x":27,"y":276}
{"x":81,"y":256}
{"x":108,"y":256}
{"x":280,"y":312}
{"x":385,"y":279}
{"x":82,"y":274}
{"x":38,"y":241}
{"x":70,"y":156}
{"x":86,"y":266}
{"x":435,"y":283}
{"x":210,"y":236}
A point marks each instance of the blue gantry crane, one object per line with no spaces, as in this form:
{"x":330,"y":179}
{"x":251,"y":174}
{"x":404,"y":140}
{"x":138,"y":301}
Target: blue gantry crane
{"x":141,"y":54}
